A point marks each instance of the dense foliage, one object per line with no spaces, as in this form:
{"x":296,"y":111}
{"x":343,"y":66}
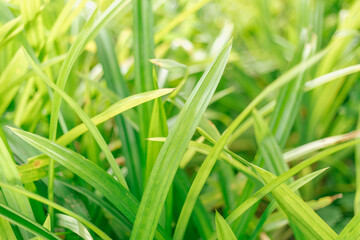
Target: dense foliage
{"x":179,"y":119}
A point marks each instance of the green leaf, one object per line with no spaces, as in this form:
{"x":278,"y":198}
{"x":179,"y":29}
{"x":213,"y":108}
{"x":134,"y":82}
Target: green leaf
{"x":294,"y":186}
{"x":116,"y":9}
{"x":129,"y":138}
{"x":283,"y":177}
{"x":266,"y":110}
{"x":240,"y":163}
{"x":26,"y":223}
{"x":298,"y":211}
{"x":268,"y":147}
{"x":74,"y":225}
{"x":71,"y":56}
{"x":87,"y":121}
{"x":329,"y":77}
{"x":54,"y":205}
{"x":89,"y":31}
{"x":29,"y":9}
{"x":174,"y":148}
{"x":200,"y":216}
{"x":233,"y":160}
{"x":223,"y":230}
{"x":8,"y":85}
{"x":210,"y":160}
{"x":189,"y":154}
{"x":109,"y":208}
{"x":63,"y":21}
{"x":89,"y":171}
{"x":6,"y":230}
{"x":270,"y":150}
{"x":311,"y":147}
{"x":112,"y":111}
{"x":352,"y":230}
{"x":10,"y":29}
{"x":170,"y":65}
{"x":143,"y":52}
{"x":15,"y":68}
{"x":63,"y":76}
{"x":10,"y":174}
{"x":282,"y":120}
{"x":120,"y":106}
{"x":357,"y":174}
{"x":326,"y":100}
{"x":158,"y":128}
{"x":290,"y":96}
{"x":47,"y":223}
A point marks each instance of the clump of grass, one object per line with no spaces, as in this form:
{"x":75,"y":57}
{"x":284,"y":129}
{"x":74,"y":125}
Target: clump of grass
{"x":179,"y":120}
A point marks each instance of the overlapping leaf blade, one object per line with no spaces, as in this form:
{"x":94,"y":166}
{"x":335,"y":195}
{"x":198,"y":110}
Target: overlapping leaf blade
{"x":210,"y":161}
{"x":129,"y":138}
{"x":283,"y":177}
{"x":26,"y":223}
{"x":298,"y":211}
{"x":174,"y":147}
{"x":89,"y":171}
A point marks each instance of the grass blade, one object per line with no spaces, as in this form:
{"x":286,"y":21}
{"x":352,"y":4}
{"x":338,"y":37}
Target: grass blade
{"x":327,"y":99}
{"x":223,"y":229}
{"x":158,"y":128}
{"x":10,"y":174}
{"x":357,"y":174}
{"x":298,"y":212}
{"x":352,"y":230}
{"x":63,"y":22}
{"x":143,"y":53}
{"x":115,"y":109}
{"x":89,"y":171}
{"x":174,"y":147}
{"x":129,"y":138}
{"x":116,"y":9}
{"x":92,"y":128}
{"x":289,"y":98}
{"x":206,"y":149}
{"x":268,"y":147}
{"x":283,"y":177}
{"x":26,"y":223}
{"x":200,"y":217}
{"x":109,"y":208}
{"x":272,"y":206}
{"x":329,"y":77}
{"x":74,"y":225}
{"x":210,"y":160}
{"x":64,"y":73}
{"x":314,"y":146}
{"x":56,"y":206}
{"x":6,"y":230}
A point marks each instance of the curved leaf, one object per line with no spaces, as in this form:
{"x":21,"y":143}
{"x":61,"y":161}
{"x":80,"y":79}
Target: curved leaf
{"x":74,"y":225}
{"x":55,"y":206}
{"x":117,"y":194}
{"x":26,"y":223}
{"x":210,"y":160}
